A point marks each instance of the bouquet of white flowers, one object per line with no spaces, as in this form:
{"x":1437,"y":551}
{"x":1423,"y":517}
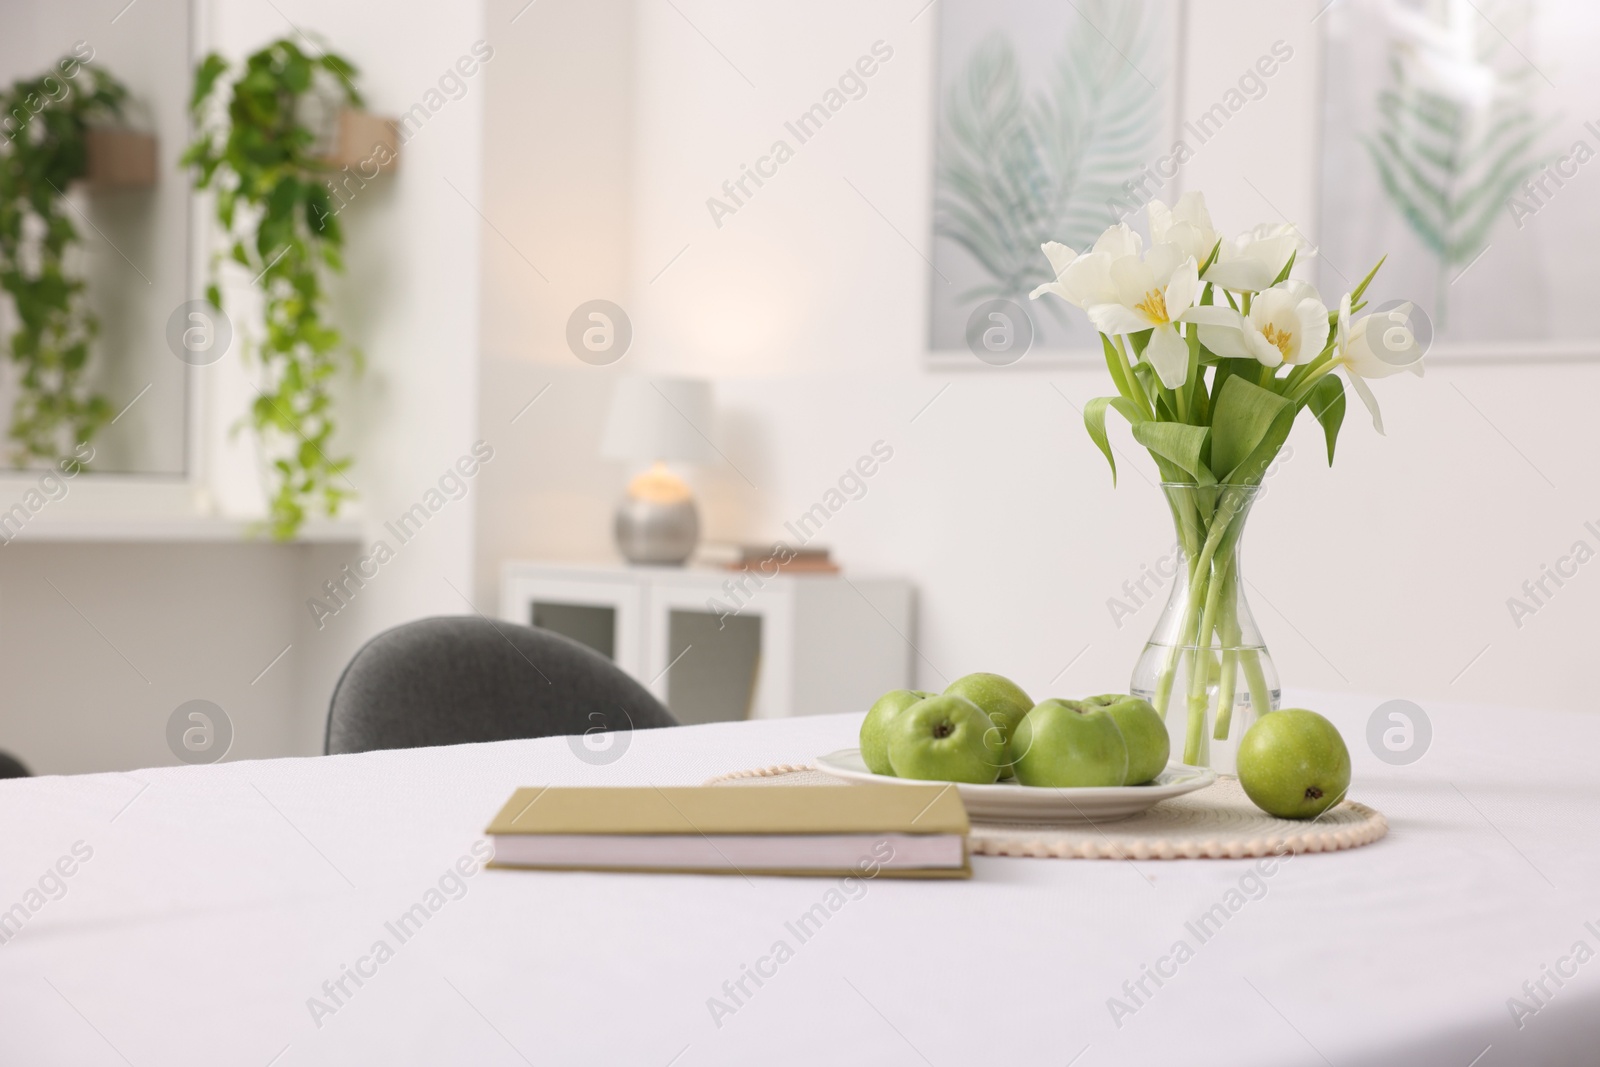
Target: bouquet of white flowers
{"x":1215,"y":350}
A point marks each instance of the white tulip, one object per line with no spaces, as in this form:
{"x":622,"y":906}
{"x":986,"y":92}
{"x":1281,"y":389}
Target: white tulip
{"x":1252,"y":261}
{"x":1156,"y":292}
{"x":1186,"y":224}
{"x":1396,"y":350}
{"x":1286,"y":324}
{"x":1382,"y":344}
{"x":1125,"y":292}
{"x":1082,"y":280}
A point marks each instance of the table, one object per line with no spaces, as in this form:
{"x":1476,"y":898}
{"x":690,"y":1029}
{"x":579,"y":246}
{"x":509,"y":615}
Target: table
{"x":208,"y":906}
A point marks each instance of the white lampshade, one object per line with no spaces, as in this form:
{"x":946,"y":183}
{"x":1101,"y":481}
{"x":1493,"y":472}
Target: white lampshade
{"x":660,"y":419}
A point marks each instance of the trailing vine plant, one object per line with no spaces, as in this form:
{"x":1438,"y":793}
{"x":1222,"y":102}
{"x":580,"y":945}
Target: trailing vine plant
{"x":255,"y":152}
{"x":42,"y":151}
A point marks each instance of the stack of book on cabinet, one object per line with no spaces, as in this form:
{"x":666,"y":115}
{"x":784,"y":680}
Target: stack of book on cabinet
{"x":770,"y":558}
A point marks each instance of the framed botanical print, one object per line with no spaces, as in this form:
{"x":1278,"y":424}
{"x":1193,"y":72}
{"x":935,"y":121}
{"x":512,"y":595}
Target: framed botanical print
{"x":1461,"y":137}
{"x":1054,"y":120}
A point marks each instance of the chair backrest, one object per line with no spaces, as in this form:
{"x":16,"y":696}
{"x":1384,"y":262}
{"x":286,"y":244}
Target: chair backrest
{"x":459,"y":679}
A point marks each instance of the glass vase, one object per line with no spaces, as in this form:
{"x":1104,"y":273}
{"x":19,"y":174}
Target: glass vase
{"x":1206,"y":668}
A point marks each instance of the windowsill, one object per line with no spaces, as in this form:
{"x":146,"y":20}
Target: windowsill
{"x":172,"y":529}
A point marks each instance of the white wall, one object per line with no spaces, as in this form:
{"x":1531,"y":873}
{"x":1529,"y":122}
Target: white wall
{"x":1388,"y":574}
{"x":558,"y":170}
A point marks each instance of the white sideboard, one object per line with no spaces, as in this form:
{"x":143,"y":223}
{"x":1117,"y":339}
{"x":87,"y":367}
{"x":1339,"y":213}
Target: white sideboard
{"x":714,"y":644}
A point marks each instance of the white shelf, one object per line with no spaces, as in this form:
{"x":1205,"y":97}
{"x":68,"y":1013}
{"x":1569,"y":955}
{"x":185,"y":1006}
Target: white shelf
{"x":172,"y":529}
{"x":823,"y":643}
{"x":711,"y":575}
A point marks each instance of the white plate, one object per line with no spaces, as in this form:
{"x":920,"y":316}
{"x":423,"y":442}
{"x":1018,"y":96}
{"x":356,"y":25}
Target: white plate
{"x":1010,"y":802}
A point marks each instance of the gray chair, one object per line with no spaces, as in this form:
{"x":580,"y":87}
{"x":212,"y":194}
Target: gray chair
{"x":12,"y":767}
{"x":460,"y":679}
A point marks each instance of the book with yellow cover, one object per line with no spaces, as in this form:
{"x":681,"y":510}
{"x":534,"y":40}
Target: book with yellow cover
{"x":897,"y":831}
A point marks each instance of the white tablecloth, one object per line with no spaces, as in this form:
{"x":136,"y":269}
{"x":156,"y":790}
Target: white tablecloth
{"x":216,"y":902}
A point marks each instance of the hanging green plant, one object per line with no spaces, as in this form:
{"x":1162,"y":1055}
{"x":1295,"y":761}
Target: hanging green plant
{"x":258,"y":156}
{"x":45,"y":121}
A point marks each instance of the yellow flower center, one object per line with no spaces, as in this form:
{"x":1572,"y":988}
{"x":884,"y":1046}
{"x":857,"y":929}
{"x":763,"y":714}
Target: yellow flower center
{"x":1279,"y":339}
{"x":1154,"y":306}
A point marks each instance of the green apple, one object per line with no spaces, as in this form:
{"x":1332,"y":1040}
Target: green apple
{"x":1142,"y":730}
{"x":945,"y":739}
{"x":1293,"y":764}
{"x":1069,"y":743}
{"x":1000,"y":698}
{"x":874,"y":728}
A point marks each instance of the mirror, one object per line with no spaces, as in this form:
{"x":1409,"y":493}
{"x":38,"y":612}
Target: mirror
{"x":131,"y":217}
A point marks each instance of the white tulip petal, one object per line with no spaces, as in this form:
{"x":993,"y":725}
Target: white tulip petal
{"x":1287,"y":233}
{"x":1356,"y":355}
{"x":1087,"y":280}
{"x":1273,"y":307}
{"x":1169,"y":355}
{"x":1364,"y":391}
{"x":1060,"y":256}
{"x":1119,"y":241}
{"x":1226,"y":341}
{"x":1313,"y":329}
{"x":1164,"y":261}
{"x":1275,"y":251}
{"x":1191,"y":208}
{"x":1115,"y":318}
{"x":1212,"y":315}
{"x":1194,"y":241}
{"x":1062,"y":260}
{"x":1396,"y":348}
{"x":1241,"y":275}
{"x":1183,"y":289}
{"x":1397,"y":344}
{"x":1265,"y":352}
{"x":1135,"y":282}
{"x":1160,"y":218}
{"x":1187,"y":224}
{"x":1253,"y":261}
{"x":1300,"y":290}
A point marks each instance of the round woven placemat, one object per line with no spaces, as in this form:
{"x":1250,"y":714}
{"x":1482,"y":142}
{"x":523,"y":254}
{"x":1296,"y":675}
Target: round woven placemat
{"x":1218,"y":822}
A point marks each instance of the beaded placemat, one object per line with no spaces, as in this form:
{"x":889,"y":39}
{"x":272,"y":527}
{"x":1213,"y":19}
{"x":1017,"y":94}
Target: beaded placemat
{"x":1217,"y":822}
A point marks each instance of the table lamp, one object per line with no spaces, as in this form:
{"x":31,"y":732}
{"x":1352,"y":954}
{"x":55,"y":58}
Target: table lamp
{"x":656,"y":421}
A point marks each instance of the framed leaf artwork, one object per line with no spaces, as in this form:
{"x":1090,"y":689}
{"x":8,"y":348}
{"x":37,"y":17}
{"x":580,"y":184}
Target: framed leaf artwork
{"x":1461,"y":137}
{"x":1052,"y":122}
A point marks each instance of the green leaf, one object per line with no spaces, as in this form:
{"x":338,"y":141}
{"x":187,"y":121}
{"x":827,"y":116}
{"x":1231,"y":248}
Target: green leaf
{"x":1179,"y":444}
{"x":1355,"y":294}
{"x":1094,"y":418}
{"x":1327,"y":403}
{"x":1242,"y":421}
{"x":1114,"y":365}
{"x":1194,"y":384}
{"x":205,"y":79}
{"x":297,"y":74}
